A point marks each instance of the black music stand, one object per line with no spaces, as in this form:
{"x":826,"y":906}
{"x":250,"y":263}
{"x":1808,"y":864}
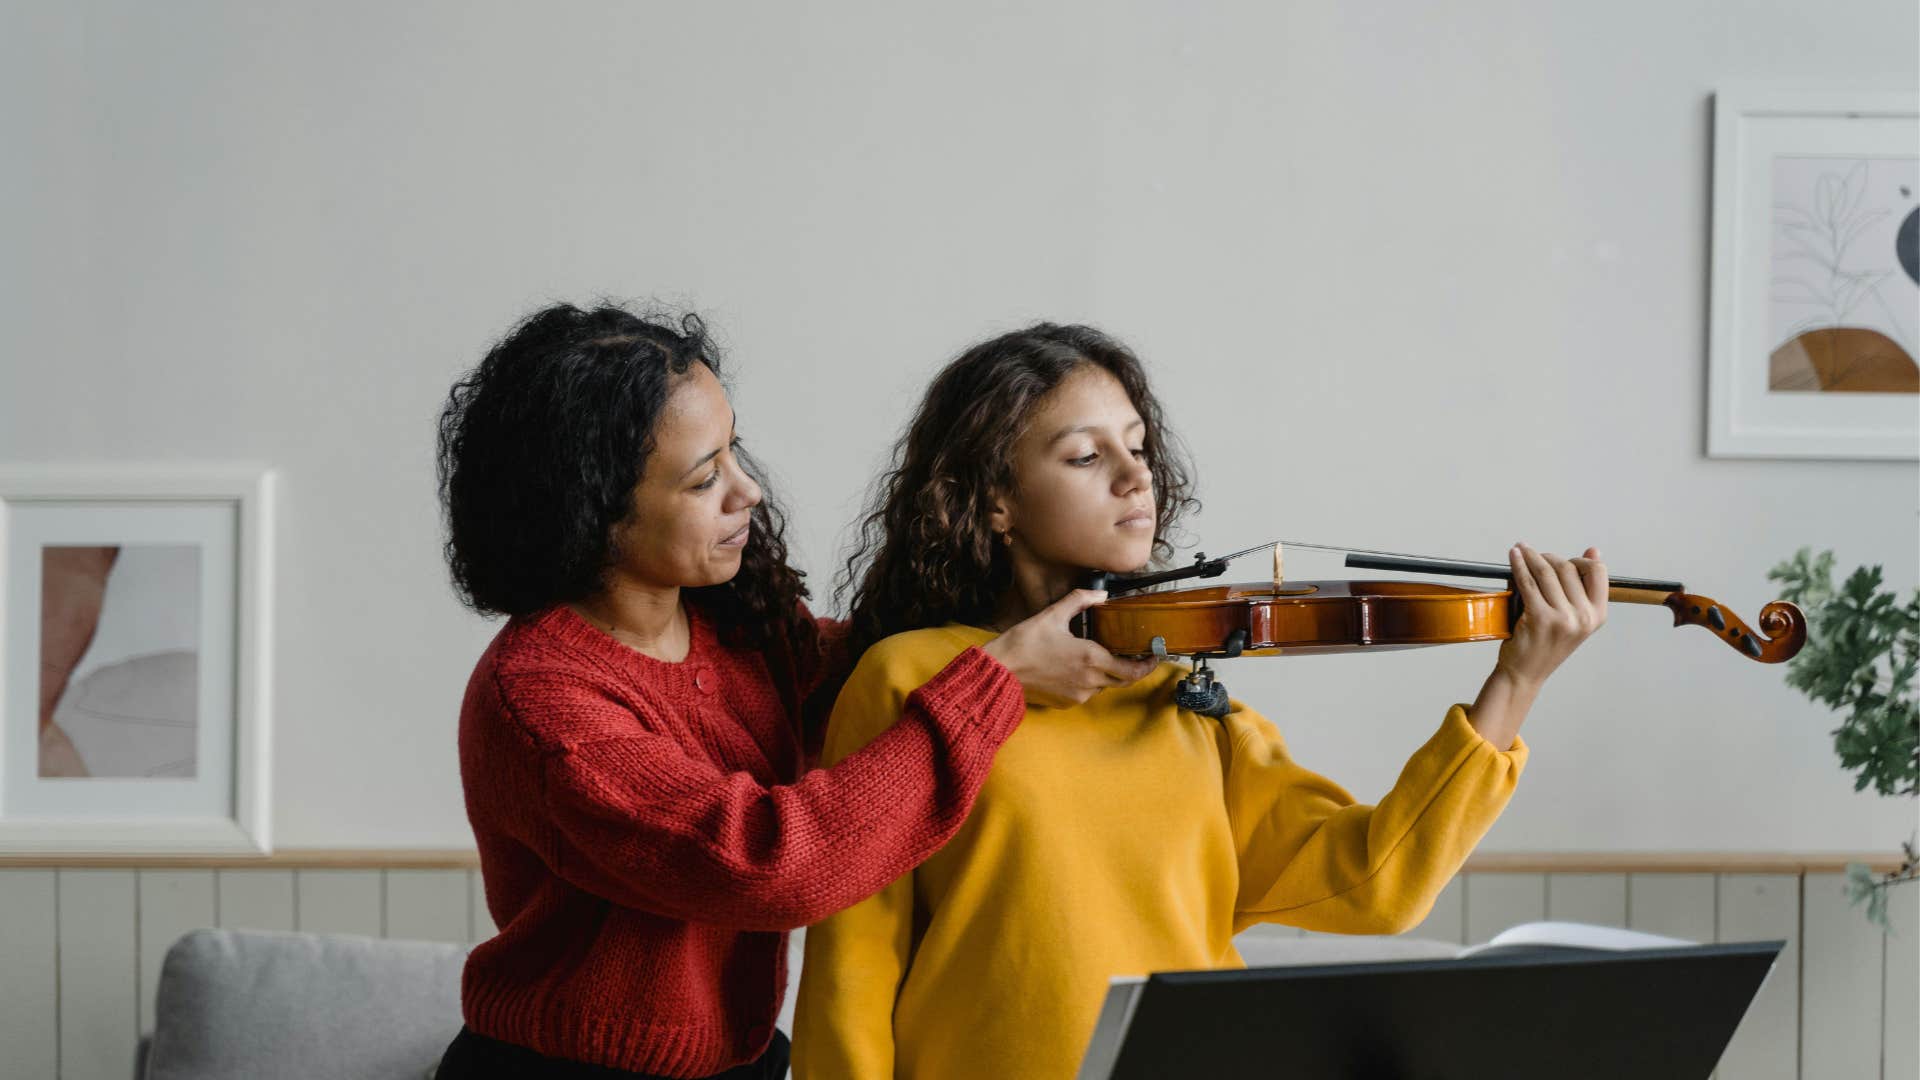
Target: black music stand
{"x":1519,"y":1012}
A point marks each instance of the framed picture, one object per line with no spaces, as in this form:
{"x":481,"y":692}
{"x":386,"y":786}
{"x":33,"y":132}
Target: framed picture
{"x":135,"y":626}
{"x":1815,"y":325}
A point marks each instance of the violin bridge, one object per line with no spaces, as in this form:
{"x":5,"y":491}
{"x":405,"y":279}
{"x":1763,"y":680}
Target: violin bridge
{"x":1278,"y":574}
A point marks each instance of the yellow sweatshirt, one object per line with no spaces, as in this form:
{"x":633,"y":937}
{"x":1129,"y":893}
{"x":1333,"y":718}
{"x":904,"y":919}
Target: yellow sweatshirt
{"x":1119,"y":837}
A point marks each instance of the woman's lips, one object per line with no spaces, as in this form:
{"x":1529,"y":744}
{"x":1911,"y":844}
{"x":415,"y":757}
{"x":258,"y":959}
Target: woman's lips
{"x":1139,"y":519}
{"x":738,"y":539}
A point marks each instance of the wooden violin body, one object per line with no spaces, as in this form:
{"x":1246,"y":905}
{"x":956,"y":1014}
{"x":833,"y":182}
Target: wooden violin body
{"x":1304,"y":617}
{"x":1314,"y":617}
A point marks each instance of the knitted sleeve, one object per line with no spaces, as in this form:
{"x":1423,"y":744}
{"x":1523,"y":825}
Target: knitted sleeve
{"x":639,"y":821}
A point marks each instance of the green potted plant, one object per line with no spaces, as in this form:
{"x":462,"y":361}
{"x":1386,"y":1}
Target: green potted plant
{"x":1862,"y":652}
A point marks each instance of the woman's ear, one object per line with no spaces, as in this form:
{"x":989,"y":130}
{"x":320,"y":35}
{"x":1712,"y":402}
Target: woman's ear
{"x":1000,"y":517}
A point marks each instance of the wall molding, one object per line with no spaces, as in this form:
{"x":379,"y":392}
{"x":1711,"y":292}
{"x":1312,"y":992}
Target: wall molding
{"x":1491,"y":862}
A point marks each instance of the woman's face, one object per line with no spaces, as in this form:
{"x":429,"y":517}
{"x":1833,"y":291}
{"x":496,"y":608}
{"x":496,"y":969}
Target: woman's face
{"x":1082,"y":493}
{"x":692,"y":506}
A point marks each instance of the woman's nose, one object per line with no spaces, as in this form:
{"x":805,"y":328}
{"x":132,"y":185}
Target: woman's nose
{"x":746,"y":493}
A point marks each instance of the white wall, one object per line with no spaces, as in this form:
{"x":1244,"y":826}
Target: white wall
{"x":1417,"y":277}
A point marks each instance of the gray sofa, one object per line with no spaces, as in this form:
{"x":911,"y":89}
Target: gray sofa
{"x":247,"y":1004}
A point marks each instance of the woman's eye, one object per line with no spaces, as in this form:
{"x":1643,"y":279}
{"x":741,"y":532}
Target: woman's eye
{"x":1087,"y":460}
{"x":1140,"y":452}
{"x":714,"y":478}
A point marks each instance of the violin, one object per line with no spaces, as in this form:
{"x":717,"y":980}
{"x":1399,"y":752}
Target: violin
{"x":1282,"y":617}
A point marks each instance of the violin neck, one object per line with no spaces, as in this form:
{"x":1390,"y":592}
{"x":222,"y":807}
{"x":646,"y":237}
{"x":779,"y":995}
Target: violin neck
{"x":1621,"y":594}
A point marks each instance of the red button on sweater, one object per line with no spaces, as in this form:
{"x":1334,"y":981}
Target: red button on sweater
{"x":647,"y":838}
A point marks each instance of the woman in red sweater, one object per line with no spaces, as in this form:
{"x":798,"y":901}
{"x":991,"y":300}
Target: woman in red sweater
{"x":633,"y":743}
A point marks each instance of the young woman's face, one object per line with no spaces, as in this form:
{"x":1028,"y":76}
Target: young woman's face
{"x":692,"y":506}
{"x":1082,"y":493}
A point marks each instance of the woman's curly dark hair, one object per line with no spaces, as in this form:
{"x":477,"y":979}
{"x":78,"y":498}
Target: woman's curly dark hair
{"x":925,"y":553}
{"x":541,"y":447}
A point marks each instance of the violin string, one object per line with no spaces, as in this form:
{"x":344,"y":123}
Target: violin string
{"x":1667,"y":586}
{"x":1327,"y":547}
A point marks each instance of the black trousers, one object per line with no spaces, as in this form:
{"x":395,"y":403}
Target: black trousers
{"x":476,"y":1057}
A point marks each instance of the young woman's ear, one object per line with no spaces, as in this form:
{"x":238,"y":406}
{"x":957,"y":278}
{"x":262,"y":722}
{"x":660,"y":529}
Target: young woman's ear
{"x":1000,"y":519}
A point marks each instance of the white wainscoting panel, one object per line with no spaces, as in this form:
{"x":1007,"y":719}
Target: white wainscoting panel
{"x":81,"y":948}
{"x":1676,"y":905}
{"x":1600,"y":899}
{"x":29,"y":971}
{"x":339,"y":901}
{"x":172,"y":902}
{"x":1900,"y":1045}
{"x":428,"y":905}
{"x":99,"y":974}
{"x":1842,"y":978}
{"x":1765,"y":907}
{"x":253,"y":899}
{"x":1497,"y":901}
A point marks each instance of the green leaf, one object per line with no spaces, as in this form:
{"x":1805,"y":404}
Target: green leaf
{"x":1861,"y":659}
{"x":1862,"y":885}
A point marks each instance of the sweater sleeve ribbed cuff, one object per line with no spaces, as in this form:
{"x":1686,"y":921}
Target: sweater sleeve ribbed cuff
{"x":975,"y":694}
{"x":1458,"y":727}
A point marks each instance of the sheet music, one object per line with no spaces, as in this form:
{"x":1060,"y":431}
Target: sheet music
{"x":1574,"y":936}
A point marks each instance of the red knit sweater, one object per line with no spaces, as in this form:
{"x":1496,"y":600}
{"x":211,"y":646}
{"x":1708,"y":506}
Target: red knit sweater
{"x":647,"y":837}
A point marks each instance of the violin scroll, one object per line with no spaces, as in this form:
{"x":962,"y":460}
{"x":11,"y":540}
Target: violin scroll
{"x":1783,"y":623}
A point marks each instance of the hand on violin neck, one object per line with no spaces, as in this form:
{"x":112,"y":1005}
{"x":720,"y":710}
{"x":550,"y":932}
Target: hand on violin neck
{"x":1563,"y":601}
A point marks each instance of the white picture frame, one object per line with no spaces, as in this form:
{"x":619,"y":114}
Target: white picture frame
{"x":1778,"y":153}
{"x":216,"y":799}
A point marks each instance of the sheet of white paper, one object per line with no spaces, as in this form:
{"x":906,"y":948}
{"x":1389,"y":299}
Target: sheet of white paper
{"x":1576,"y":935}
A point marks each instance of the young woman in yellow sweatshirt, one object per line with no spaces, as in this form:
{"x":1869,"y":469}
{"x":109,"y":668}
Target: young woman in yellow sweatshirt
{"x":1122,"y":835}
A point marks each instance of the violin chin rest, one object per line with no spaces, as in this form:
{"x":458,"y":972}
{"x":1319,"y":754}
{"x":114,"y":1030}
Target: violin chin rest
{"x":1210,"y":700}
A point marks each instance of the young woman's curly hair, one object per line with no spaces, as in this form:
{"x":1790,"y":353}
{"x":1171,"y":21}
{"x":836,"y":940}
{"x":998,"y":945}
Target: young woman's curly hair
{"x":925,"y":554}
{"x":541,"y":447}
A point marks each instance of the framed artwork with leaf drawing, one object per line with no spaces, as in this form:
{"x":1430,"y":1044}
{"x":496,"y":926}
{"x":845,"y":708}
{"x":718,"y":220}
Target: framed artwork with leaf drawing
{"x":135,"y":659}
{"x":1814,"y":334}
